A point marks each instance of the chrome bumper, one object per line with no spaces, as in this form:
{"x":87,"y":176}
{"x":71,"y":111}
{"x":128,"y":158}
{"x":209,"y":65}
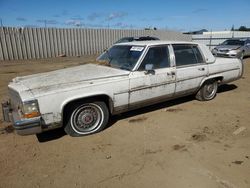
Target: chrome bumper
{"x":22,"y":126}
{"x":227,"y":54}
{"x":28,"y":126}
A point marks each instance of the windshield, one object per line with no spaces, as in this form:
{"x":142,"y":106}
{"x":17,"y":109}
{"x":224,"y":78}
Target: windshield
{"x":122,"y":57}
{"x":234,"y":42}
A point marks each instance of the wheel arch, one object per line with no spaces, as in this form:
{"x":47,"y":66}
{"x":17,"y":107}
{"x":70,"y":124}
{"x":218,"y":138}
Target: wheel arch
{"x":218,"y":78}
{"x":77,"y":100}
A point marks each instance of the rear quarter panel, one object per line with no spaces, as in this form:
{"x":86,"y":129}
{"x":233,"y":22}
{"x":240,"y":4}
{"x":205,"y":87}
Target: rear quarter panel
{"x":229,"y":68}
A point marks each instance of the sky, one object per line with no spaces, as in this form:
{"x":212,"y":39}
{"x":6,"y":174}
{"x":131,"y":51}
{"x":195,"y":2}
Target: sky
{"x":175,"y":15}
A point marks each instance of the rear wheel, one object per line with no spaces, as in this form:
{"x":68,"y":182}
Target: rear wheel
{"x":207,"y":91}
{"x":87,"y":118}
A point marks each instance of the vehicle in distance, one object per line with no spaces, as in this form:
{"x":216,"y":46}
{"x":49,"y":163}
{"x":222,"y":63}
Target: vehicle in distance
{"x":233,"y":48}
{"x":81,"y":99}
{"x":130,"y":39}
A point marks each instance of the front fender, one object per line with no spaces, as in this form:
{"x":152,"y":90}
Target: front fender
{"x":80,"y":97}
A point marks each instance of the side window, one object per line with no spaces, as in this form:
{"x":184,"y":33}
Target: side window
{"x":158,"y":56}
{"x":187,"y":55}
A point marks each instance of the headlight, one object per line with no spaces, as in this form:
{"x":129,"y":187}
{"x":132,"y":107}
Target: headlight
{"x":234,"y":51}
{"x":30,"y":109}
{"x":214,"y":51}
{"x":238,"y":50}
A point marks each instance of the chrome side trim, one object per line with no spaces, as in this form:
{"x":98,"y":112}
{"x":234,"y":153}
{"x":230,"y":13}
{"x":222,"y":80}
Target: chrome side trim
{"x":224,"y":71}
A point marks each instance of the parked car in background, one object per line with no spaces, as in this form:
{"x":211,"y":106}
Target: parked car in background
{"x":81,"y":99}
{"x":233,"y":48}
{"x":130,"y":39}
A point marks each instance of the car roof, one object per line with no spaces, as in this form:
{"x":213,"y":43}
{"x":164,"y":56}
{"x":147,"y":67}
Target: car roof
{"x":154,"y":42}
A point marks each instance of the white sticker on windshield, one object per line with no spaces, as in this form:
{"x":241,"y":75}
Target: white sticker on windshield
{"x":137,"y":48}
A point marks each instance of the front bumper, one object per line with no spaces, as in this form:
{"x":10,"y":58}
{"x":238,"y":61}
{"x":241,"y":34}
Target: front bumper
{"x":22,"y":126}
{"x":233,"y":54}
{"x":28,"y":126}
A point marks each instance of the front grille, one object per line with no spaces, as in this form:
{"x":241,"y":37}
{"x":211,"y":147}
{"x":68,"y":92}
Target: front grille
{"x":224,"y":51}
{"x":225,"y":55}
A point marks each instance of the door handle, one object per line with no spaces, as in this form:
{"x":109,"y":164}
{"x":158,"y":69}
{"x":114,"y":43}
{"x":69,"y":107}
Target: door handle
{"x":201,"y":69}
{"x":172,"y":73}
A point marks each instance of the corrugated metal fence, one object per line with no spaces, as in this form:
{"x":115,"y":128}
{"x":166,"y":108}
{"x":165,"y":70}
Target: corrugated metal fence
{"x":212,"y":39}
{"x":35,"y":43}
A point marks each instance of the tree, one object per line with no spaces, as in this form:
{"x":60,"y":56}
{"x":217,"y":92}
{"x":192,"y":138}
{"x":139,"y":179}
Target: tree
{"x":243,"y":28}
{"x":232,"y":29}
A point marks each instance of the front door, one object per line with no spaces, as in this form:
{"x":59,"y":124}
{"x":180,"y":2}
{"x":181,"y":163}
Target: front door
{"x":152,"y":86}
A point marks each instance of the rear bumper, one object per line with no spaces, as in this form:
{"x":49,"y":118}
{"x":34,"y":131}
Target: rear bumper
{"x":22,"y":126}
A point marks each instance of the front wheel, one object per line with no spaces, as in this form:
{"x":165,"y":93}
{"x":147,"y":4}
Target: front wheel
{"x":207,"y":91}
{"x":87,"y":118}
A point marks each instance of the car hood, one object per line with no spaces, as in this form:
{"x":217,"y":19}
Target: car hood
{"x":227,"y":47}
{"x":66,"y":78}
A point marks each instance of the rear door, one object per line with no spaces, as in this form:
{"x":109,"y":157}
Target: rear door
{"x":191,"y":68}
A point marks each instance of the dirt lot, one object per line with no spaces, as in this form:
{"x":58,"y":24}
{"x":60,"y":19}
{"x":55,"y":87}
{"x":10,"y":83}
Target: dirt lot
{"x":181,"y":143}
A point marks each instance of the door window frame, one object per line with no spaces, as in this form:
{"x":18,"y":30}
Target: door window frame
{"x":189,"y":65}
{"x":171,"y":63}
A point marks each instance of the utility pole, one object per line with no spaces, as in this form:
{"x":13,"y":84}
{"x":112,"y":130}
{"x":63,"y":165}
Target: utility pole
{"x":233,"y":32}
{"x":210,"y":40}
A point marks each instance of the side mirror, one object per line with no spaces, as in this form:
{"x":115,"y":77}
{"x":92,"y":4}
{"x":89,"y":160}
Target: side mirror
{"x":149,"y":69}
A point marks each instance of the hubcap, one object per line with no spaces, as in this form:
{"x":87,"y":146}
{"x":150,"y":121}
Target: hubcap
{"x":210,"y":90}
{"x":86,"y":118}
